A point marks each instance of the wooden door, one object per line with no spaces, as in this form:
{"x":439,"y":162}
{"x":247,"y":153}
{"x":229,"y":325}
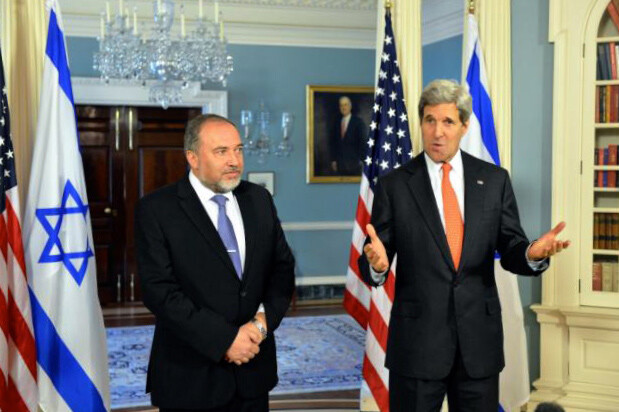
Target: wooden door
{"x":154,"y":158}
{"x":99,"y":132}
{"x":127,"y":153}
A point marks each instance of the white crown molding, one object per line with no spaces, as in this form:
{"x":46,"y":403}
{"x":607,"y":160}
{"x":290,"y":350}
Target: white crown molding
{"x":441,"y":28}
{"x":92,"y":90}
{"x":261,"y":34}
{"x":324,"y":4}
{"x":311,"y":280}
{"x":302,"y":23}
{"x":315,"y":226}
{"x":441,"y":19}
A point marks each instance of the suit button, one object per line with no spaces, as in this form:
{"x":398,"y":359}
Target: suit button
{"x":243,"y":293}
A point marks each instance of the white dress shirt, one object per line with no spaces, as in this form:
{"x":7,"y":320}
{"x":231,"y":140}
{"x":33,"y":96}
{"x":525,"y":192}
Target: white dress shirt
{"x":232,"y":210}
{"x":344,"y":124}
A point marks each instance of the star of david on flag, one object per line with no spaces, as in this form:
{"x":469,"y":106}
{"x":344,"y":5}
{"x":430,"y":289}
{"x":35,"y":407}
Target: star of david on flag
{"x":54,"y":250}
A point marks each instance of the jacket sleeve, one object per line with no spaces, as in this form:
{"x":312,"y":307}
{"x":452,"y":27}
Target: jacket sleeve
{"x":513,"y":243}
{"x":204,"y":330}
{"x":280,"y":283}
{"x":382,"y":220}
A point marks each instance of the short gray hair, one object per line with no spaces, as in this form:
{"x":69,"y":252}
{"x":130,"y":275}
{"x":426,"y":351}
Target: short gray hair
{"x":447,"y":91}
{"x":192,"y":131}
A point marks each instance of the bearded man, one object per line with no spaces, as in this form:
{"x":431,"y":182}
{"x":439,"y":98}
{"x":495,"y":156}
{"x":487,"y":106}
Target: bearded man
{"x":218,"y":274}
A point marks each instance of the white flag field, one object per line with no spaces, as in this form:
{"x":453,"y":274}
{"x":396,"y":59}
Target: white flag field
{"x":68,"y":324}
{"x":480,"y":141}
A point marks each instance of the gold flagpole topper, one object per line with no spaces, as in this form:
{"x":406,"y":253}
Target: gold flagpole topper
{"x":471,"y":6}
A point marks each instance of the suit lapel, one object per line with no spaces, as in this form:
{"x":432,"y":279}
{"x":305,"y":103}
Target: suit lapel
{"x":250,"y":225}
{"x":474,"y":193}
{"x":191,"y":205}
{"x":421,"y":189}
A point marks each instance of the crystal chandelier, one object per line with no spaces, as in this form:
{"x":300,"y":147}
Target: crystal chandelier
{"x":164,"y":62}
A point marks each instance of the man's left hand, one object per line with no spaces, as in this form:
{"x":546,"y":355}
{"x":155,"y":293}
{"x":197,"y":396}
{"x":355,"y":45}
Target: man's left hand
{"x":548,"y":245}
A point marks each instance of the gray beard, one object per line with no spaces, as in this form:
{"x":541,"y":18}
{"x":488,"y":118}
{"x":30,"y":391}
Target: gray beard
{"x":225,"y":187}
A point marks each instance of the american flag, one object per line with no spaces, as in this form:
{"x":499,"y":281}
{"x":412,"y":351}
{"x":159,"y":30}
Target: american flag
{"x":388,"y":147}
{"x":18,"y":361}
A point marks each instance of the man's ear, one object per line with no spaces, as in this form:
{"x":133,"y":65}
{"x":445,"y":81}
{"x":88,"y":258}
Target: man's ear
{"x":466,"y":125}
{"x":192,"y":159}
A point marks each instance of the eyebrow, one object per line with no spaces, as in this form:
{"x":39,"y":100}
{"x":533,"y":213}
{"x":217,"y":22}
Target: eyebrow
{"x":229,"y":147}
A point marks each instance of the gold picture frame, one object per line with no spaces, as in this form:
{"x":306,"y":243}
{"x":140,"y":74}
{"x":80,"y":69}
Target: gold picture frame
{"x":335,"y":146}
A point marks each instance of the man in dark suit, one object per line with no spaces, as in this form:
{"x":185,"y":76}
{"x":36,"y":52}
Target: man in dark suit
{"x":346,"y":141}
{"x":444,"y":214}
{"x":218,"y":275}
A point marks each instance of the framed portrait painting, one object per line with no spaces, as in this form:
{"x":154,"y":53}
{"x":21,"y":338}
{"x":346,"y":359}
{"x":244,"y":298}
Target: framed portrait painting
{"x":337,"y":129}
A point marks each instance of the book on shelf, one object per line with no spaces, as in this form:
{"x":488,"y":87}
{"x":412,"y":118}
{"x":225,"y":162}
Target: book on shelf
{"x":596,"y":276}
{"x":606,"y":231}
{"x":607,"y":276}
{"x":614,"y":231}
{"x":612,"y":154}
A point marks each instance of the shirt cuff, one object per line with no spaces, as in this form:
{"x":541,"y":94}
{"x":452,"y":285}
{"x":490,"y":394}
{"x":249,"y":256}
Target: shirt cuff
{"x":260,"y":309}
{"x":536,"y":265}
{"x":379,"y":278}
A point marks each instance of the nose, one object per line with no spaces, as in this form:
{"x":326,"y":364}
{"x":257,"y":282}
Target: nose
{"x":439,"y":129}
{"x":234,"y":158}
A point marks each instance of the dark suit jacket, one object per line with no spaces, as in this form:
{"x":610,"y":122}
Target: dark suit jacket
{"x":348,"y":151}
{"x":436,"y":308}
{"x":189,"y":283}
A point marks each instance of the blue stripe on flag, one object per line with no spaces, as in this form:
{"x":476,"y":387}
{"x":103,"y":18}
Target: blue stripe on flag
{"x":482,"y":107}
{"x":55,"y":49}
{"x":65,"y":372}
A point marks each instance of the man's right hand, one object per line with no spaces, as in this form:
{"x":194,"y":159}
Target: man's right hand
{"x":375,"y":251}
{"x":245,"y":345}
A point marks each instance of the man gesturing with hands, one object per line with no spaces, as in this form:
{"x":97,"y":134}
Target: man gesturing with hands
{"x":445,"y":214}
{"x":217,"y":273}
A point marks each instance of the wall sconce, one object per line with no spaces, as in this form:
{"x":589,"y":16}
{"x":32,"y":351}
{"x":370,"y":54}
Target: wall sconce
{"x":255,"y":129}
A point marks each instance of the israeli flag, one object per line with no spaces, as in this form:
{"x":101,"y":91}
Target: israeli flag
{"x":68,"y":325}
{"x":480,"y":141}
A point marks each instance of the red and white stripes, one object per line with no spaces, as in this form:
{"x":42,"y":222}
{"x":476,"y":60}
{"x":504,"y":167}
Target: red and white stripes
{"x":18,"y":363}
{"x":371,"y":307}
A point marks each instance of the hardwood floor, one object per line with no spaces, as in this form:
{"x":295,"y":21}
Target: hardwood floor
{"x":340,"y":400}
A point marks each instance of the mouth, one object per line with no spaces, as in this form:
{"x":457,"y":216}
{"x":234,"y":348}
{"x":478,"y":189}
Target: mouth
{"x":232,"y":174}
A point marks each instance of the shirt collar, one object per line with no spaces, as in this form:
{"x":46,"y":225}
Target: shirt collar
{"x":455,"y":162}
{"x":204,"y":193}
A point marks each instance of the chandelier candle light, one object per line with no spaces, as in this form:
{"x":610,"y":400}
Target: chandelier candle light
{"x":166,"y":63}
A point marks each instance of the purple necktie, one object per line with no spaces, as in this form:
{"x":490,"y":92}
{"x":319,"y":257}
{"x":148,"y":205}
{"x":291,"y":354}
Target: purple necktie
{"x":226,"y":232}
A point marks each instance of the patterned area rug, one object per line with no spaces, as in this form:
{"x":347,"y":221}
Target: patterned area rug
{"x":314,"y":354}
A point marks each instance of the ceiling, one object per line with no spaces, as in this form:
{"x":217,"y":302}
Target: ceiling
{"x":313,"y":23}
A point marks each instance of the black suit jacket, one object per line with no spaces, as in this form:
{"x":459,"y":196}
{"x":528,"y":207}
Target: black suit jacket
{"x":436,"y":308}
{"x":348,"y":151}
{"x":189,"y":283}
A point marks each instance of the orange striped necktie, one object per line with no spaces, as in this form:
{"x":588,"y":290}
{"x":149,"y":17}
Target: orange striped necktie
{"x":454,"y":227}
